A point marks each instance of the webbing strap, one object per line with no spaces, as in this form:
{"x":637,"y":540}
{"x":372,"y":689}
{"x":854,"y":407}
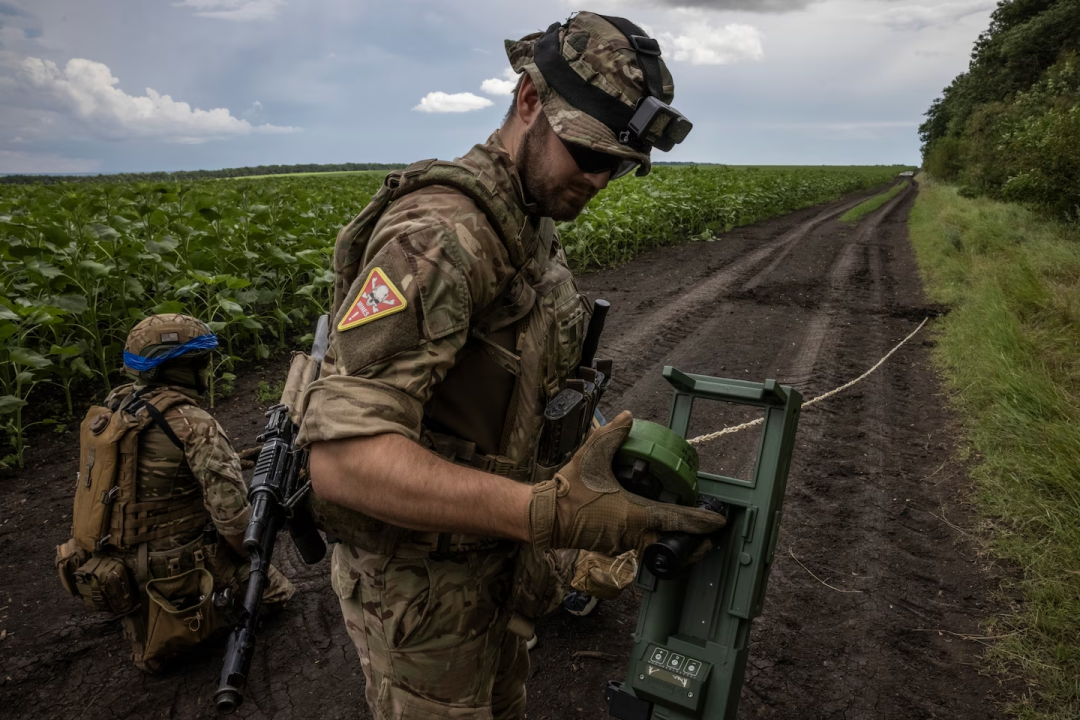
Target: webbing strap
{"x":162,"y":424}
{"x":155,"y":527}
{"x":142,"y":565}
{"x":648,"y":54}
{"x":575,"y":89}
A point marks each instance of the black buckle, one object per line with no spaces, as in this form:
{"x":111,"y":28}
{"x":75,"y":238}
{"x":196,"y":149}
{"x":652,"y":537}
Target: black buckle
{"x":645,"y":45}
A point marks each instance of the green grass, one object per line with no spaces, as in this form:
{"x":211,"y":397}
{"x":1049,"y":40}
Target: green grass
{"x":1010,"y":349}
{"x":856,"y":213}
{"x":332,"y":173}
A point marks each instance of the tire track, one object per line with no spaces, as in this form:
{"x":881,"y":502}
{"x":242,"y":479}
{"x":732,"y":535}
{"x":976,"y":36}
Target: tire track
{"x":670,"y":324}
{"x":816,"y":306}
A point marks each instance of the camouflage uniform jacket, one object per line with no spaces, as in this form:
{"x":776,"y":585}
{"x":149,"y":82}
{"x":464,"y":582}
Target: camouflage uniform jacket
{"x":491,"y":326}
{"x":207,"y":467}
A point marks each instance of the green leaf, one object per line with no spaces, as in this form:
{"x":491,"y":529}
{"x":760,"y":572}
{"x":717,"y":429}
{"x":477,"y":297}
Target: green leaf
{"x":10,"y":403}
{"x":169,"y":306}
{"x":230,"y":307}
{"x":43,"y":268}
{"x":251,"y":324}
{"x":95,"y":269}
{"x":165,"y":245}
{"x":26,"y":356}
{"x":235,"y":283}
{"x":217,"y":326}
{"x":79,"y":365}
{"x":66,"y":351}
{"x":72,"y":303}
{"x":8,"y":314}
{"x":210,"y":214}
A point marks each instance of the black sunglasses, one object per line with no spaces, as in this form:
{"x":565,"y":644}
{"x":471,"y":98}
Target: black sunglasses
{"x":595,"y":162}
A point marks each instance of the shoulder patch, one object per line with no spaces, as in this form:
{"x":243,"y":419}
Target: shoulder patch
{"x":378,"y":297}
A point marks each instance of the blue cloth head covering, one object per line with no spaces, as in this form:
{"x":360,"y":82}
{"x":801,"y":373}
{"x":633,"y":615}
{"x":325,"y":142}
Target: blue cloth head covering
{"x":142,"y":364}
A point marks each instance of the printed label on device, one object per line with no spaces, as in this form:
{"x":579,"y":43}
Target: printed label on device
{"x":377,"y":297}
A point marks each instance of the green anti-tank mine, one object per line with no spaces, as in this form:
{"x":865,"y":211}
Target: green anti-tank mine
{"x":657,"y":464}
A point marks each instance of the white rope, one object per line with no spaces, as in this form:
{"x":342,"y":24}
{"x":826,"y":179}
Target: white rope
{"x":753,"y":423}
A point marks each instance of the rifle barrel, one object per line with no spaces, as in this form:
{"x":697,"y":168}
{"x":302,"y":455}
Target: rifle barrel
{"x":592,"y":335}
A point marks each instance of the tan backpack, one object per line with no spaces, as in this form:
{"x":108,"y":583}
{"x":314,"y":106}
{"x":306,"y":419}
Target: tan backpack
{"x":106,"y":514}
{"x":105,"y":485}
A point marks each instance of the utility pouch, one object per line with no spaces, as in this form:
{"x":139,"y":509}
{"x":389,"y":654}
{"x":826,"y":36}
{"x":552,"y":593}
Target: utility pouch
{"x":302,"y":372}
{"x":99,"y":438}
{"x":69,"y":557}
{"x":105,"y":585}
{"x":541,"y":579}
{"x":181,"y":613}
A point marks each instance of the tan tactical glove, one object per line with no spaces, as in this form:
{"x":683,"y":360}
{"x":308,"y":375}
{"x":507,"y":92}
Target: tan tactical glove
{"x":584,"y":506}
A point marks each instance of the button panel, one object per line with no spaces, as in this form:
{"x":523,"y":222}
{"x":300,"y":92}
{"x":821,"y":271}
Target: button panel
{"x":673,"y":662}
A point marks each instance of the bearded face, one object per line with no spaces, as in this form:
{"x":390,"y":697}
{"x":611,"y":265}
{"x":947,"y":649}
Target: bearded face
{"x":550,"y":177}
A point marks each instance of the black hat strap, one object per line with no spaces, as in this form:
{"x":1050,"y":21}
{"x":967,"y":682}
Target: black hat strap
{"x":648,"y":54}
{"x":575,"y":89}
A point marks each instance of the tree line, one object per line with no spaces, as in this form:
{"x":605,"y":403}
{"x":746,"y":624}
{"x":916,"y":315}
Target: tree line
{"x":197,"y":174}
{"x":1009,"y":127}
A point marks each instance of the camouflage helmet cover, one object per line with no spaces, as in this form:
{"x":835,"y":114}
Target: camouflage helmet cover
{"x":158,"y":334}
{"x":602,"y":55}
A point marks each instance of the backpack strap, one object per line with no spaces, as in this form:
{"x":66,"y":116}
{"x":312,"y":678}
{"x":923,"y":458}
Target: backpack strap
{"x":162,"y":423}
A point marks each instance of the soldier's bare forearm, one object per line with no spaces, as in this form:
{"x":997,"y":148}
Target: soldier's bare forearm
{"x":392,"y":478}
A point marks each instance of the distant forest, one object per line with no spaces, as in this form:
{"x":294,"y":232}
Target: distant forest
{"x":1009,"y":127}
{"x":196,"y":174}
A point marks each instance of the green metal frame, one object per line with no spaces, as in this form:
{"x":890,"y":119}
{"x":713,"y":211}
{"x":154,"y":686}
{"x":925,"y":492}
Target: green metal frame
{"x":692,"y":636}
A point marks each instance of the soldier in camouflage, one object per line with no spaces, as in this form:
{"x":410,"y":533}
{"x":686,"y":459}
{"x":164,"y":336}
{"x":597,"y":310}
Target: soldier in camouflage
{"x":424,"y":423}
{"x":196,"y":469}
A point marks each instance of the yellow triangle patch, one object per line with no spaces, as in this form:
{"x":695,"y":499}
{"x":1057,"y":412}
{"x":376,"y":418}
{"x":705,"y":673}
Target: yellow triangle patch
{"x":377,"y":298}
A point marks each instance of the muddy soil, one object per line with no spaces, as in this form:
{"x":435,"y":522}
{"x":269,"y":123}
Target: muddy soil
{"x":876,"y":588}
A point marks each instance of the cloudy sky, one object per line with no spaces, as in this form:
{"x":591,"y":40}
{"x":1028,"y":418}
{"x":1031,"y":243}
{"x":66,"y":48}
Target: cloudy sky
{"x":140,"y":85}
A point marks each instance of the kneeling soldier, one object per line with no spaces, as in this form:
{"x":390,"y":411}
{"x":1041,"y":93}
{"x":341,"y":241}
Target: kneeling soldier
{"x":158,"y":486}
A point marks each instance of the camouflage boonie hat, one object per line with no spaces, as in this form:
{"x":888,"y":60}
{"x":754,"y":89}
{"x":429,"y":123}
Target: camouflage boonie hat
{"x":601,"y":54}
{"x":159,"y":335}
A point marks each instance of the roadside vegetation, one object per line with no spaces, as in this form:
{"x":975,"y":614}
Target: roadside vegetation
{"x":80,"y":264}
{"x":864,"y":208}
{"x":1010,"y":348}
{"x":1009,"y":127}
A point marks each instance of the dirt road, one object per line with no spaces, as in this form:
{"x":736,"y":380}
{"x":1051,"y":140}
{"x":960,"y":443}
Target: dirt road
{"x":875,"y":587}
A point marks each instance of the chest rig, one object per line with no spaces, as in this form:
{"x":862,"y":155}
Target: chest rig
{"x":533,"y":330}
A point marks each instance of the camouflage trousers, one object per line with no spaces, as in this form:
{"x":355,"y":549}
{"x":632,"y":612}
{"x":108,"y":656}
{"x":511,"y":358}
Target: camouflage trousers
{"x":432,"y":634}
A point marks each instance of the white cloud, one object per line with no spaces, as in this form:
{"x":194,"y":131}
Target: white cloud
{"x":501,"y":86}
{"x":918,"y":17}
{"x":240,"y":10}
{"x":87,"y":91}
{"x":704,"y":44}
{"x":440,"y":102}
{"x":17,"y":162}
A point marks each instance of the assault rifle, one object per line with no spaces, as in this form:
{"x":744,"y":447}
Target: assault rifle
{"x":278,"y":489}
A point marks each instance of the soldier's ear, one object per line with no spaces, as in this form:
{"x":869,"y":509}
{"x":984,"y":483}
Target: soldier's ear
{"x":528,"y":101}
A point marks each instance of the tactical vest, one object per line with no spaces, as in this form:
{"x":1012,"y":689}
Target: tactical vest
{"x":110,"y":512}
{"x":538,"y":311}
